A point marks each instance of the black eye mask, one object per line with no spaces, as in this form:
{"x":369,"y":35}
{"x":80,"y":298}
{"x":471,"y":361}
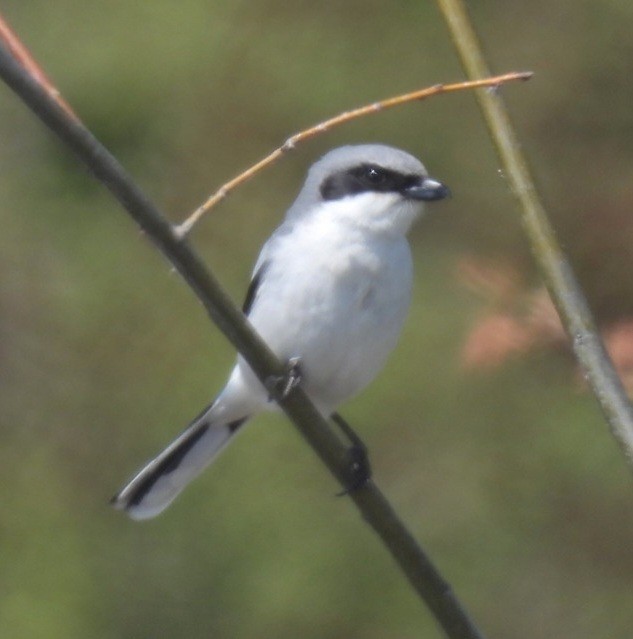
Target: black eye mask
{"x":366,"y":178}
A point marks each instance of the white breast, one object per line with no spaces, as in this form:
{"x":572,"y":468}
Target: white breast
{"x":337,"y":299}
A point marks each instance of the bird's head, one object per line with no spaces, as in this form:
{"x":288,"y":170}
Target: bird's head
{"x":369,"y":186}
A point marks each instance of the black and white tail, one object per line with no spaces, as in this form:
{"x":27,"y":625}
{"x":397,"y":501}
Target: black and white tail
{"x":155,"y":486}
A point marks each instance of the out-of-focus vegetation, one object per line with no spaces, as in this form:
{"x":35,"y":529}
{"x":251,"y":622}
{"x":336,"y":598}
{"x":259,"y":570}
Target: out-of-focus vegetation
{"x":507,"y":475}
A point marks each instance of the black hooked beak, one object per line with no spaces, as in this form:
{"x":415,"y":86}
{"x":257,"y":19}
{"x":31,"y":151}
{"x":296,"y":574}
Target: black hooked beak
{"x":429,"y":191}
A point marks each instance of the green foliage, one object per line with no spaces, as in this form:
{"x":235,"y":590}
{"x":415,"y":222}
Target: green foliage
{"x":508,"y":478}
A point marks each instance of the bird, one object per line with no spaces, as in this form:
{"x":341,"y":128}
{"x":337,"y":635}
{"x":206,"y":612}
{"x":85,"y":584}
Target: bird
{"x":329,"y":294}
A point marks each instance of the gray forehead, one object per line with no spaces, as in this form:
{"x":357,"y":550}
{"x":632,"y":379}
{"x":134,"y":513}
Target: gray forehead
{"x":347,"y":157}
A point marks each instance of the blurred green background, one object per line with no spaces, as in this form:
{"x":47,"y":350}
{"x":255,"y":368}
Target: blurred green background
{"x":507,"y":476}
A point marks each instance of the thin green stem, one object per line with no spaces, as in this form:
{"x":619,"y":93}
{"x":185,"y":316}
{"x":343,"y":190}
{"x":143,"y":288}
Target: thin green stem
{"x":553,"y":264}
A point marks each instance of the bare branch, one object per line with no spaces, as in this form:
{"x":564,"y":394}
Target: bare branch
{"x":337,"y":120}
{"x":375,"y":509}
{"x":554,"y":265}
{"x":23,"y":56}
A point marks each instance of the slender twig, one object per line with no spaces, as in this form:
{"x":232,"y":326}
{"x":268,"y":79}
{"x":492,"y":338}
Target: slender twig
{"x":554,"y":265}
{"x":24,"y":57}
{"x":342,"y":118}
{"x":375,"y":509}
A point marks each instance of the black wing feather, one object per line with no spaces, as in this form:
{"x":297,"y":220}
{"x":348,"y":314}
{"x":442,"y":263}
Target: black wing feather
{"x":253,"y":287}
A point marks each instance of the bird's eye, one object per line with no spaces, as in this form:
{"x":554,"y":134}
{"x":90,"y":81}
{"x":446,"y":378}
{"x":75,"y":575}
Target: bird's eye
{"x":375,"y":175}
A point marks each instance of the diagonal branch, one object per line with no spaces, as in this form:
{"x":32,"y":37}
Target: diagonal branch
{"x":369,"y":109}
{"x":24,"y":57}
{"x":554,"y":265}
{"x":375,"y":509}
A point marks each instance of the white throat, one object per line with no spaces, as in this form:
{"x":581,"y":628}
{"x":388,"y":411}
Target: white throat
{"x":379,"y":213}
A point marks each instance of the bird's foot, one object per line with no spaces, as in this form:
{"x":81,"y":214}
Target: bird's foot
{"x":280,"y":386}
{"x":359,"y":469}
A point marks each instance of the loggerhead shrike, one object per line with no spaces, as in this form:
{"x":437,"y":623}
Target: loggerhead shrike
{"x":330,"y":290}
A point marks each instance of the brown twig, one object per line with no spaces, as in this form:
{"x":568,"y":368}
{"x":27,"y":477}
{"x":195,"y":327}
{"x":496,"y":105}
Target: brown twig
{"x":23,"y":56}
{"x":183,"y":229}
